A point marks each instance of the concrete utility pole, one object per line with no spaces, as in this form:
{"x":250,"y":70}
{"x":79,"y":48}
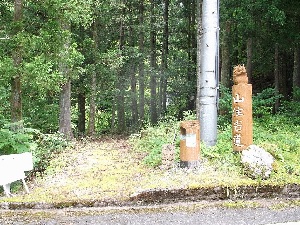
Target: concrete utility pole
{"x":209,"y":72}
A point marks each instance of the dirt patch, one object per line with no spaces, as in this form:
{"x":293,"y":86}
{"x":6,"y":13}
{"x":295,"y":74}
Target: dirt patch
{"x":108,"y":172}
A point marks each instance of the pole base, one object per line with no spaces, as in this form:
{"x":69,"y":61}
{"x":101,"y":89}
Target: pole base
{"x":189,"y":164}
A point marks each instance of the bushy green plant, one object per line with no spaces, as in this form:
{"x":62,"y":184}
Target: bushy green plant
{"x":296,"y":94}
{"x":189,"y":115}
{"x":43,"y":146}
{"x":263,"y":102}
{"x":225,"y":107}
{"x":48,"y":145}
{"x":277,"y":133}
{"x":103,"y":124}
{"x":151,"y":139}
{"x":290,"y":110}
{"x":42,"y":113}
{"x":221,"y":155}
{"x":13,"y":142}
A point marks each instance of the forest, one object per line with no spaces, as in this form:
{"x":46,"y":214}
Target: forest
{"x":85,"y":68}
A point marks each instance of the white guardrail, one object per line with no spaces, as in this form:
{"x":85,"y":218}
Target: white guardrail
{"x":12,"y":168}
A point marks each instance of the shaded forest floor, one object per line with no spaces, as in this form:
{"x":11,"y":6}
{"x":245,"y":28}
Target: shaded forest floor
{"x":109,"y":169}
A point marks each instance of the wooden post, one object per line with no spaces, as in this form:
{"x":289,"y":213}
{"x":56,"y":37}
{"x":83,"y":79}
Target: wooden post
{"x":189,"y":144}
{"x":242,"y":131}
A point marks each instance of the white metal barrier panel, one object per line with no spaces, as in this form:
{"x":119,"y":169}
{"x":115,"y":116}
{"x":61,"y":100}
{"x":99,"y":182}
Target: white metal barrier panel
{"x":13,"y":167}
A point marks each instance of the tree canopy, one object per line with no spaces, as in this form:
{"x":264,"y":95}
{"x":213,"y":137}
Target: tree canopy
{"x":129,"y":63}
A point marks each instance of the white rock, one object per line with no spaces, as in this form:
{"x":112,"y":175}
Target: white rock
{"x":257,"y":162}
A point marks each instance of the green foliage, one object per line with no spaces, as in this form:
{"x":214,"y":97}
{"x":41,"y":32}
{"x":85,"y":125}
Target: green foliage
{"x":263,"y":102}
{"x":103,"y":124}
{"x":43,"y":146}
{"x":278,"y":134}
{"x":42,"y":75}
{"x":291,"y":110}
{"x":225,"y":106}
{"x":151,"y":139}
{"x":4,"y":108}
{"x":48,"y":146}
{"x":13,"y":142}
{"x":6,"y":69}
{"x":42,"y":42}
{"x":189,"y":115}
{"x":41,"y":113}
{"x":296,"y":93}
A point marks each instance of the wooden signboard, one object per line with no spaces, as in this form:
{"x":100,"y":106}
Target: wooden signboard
{"x":242,"y":124}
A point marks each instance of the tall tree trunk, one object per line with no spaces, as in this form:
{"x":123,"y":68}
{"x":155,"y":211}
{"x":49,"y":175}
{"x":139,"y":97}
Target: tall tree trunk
{"x":120,"y":104}
{"x":153,"y":65}
{"x":134,"y":105}
{"x":81,"y":113}
{"x":16,"y":103}
{"x":209,"y":72}
{"x":199,"y":38}
{"x":16,"y":90}
{"x":276,"y":76}
{"x":141,"y":64}
{"x":164,"y":60}
{"x":65,"y":126}
{"x":296,"y":74}
{"x":225,"y":68}
{"x":92,"y":114}
{"x":191,"y":45}
{"x":132,"y":66}
{"x":285,"y":70}
{"x":120,"y":98}
{"x":113,"y":115}
{"x":194,"y":36}
{"x":249,"y":58}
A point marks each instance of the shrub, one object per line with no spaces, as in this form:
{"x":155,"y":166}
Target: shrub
{"x":264,"y":102}
{"x":48,"y":146}
{"x":151,"y":139}
{"x":278,"y":134}
{"x":225,"y":105}
{"x":291,"y":111}
{"x":13,"y":142}
{"x":43,"y":146}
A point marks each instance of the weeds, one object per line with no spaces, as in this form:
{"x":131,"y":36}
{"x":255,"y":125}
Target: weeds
{"x":278,"y":134}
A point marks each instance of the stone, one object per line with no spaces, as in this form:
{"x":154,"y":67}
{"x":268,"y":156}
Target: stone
{"x":257,"y":162}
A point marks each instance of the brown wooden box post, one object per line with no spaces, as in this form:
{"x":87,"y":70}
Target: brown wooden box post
{"x":189,"y":143}
{"x":242,"y":124}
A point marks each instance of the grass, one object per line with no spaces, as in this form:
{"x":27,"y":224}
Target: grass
{"x":115,"y":169}
{"x":111,"y":170}
{"x":277,"y":134}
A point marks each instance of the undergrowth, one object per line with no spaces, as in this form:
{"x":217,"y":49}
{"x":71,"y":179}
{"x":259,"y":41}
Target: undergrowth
{"x":276,"y":133}
{"x":44,"y":147}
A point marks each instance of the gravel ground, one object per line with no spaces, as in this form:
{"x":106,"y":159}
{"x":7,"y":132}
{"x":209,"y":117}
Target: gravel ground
{"x":219,"y":213}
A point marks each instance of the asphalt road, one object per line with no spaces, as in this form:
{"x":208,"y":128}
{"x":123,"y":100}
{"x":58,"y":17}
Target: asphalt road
{"x":154,"y":215}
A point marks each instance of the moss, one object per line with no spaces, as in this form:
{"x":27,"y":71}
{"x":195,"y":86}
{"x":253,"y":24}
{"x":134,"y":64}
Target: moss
{"x":110,"y":169}
{"x":241,"y":204}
